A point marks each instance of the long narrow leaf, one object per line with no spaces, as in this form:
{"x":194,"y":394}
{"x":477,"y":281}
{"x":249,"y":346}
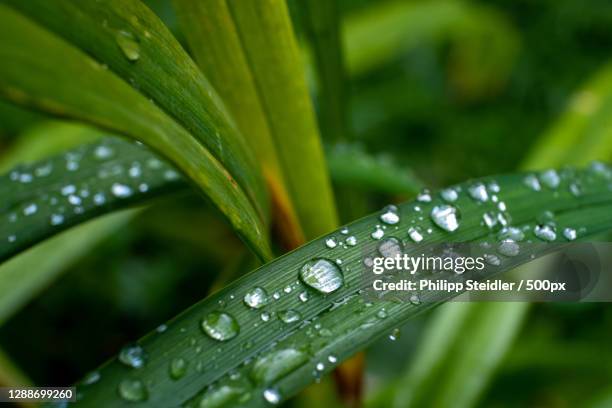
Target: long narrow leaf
{"x":38,"y":79}
{"x":216,"y":46}
{"x":264,"y":355}
{"x":270,"y":47}
{"x":128,"y":38}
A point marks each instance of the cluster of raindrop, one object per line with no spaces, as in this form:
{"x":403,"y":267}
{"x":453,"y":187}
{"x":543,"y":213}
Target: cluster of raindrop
{"x":63,"y":188}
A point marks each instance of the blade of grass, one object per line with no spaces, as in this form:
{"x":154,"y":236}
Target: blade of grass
{"x":97,"y":95}
{"x":336,"y":325}
{"x":268,"y":41}
{"x":216,"y":47}
{"x":321,"y":21}
{"x":11,"y":376}
{"x":155,"y":64}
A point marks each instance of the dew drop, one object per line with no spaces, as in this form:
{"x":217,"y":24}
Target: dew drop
{"x":478,"y":192}
{"x":103,"y":152}
{"x":331,"y":242}
{"x":390,"y":215}
{"x":121,"y":190}
{"x":351,"y":241}
{"x":378,"y":233}
{"x":545,"y":232}
{"x":99,"y":199}
{"x":382,"y":314}
{"x":91,"y":378}
{"x":30,"y":209}
{"x":490,"y":219}
{"x":133,"y":356}
{"x":395,"y":334}
{"x":177,"y":368}
{"x":570,"y":234}
{"x":320,"y":367}
{"x":128,"y":45}
{"x":492,"y":259}
{"x":390,"y":247}
{"x":445,"y":217}
{"x":415,"y":234}
{"x":550,"y":178}
{"x":289,"y":316}
{"x":532,"y":182}
{"x":57,"y":219}
{"x":322,"y":275}
{"x":511,"y":233}
{"x":220,"y":326}
{"x":449,"y":195}
{"x":272,"y":396}
{"x":332,"y":359}
{"x":303,"y":297}
{"x":133,"y":390}
{"x":508,"y":248}
{"x":424,"y":196}
{"x":256,"y":298}
{"x":265,"y":316}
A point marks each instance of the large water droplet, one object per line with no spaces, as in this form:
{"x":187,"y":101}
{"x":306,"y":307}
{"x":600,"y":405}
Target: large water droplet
{"x":128,"y":45}
{"x":545,"y":232}
{"x":272,"y":396}
{"x":321,"y":275}
{"x":478,"y":192}
{"x":133,"y":356}
{"x":256,"y":298}
{"x":289,"y":316}
{"x":331,"y":242}
{"x":390,"y":247}
{"x":445,"y":217}
{"x":570,"y":234}
{"x":133,"y":390}
{"x":351,"y":241}
{"x":177,"y":368}
{"x":220,"y":326}
{"x":274,"y":365}
{"x":449,"y":195}
{"x":390,"y":215}
{"x":550,"y":178}
{"x":378,"y":233}
{"x":415,"y":234}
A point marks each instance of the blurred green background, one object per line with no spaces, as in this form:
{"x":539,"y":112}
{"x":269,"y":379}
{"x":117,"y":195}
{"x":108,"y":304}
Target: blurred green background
{"x":448,"y":89}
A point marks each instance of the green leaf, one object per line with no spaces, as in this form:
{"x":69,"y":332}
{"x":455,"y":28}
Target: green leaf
{"x":350,"y":165}
{"x":44,"y":198}
{"x":321,"y":21}
{"x":40,"y":67}
{"x":268,"y":41}
{"x":336,"y":325}
{"x":217,"y":48}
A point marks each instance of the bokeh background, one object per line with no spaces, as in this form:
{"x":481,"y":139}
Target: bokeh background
{"x":446,"y":89}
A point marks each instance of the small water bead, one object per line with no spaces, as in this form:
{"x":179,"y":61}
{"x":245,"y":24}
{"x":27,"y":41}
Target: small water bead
{"x":550,"y":178}
{"x":390,"y":247}
{"x":332,"y":359}
{"x":25,"y":178}
{"x":321,"y":275}
{"x":287,"y":289}
{"x":501,"y":206}
{"x":128,"y":45}
{"x":424,"y":196}
{"x":12,"y":238}
{"x":390,"y":215}
{"x":570,"y":234}
{"x":171,"y":175}
{"x":575,"y":189}
{"x":133,"y":390}
{"x":445,"y":217}
{"x":121,"y":190}
{"x":545,"y":232}
{"x":135,"y":171}
{"x":331,"y":242}
{"x":395,"y":334}
{"x":508,"y":248}
{"x":44,"y":170}
{"x":320,"y":367}
{"x":382,"y":314}
{"x":492,"y":260}
{"x":351,"y":241}
{"x":490,"y":219}
{"x":91,"y":378}
{"x":303,"y":297}
{"x":378,"y":233}
{"x":265,"y":316}
{"x":30,"y":209}
{"x":133,"y":356}
{"x":74,"y":200}
{"x":57,"y":219}
{"x":511,"y":233}
{"x":414,"y":299}
{"x":276,"y":295}
{"x":256,"y":298}
{"x":220,"y":326}
{"x":161,"y":328}
{"x":325,"y":332}
{"x":99,"y":199}
{"x":532,"y":182}
{"x":289,"y":316}
{"x":600,"y":169}
{"x":103,"y":152}
{"x":478,"y":192}
{"x":272,"y":396}
{"x":415,"y":234}
{"x":449,"y":195}
{"x":494,"y":187}
{"x":177,"y":368}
